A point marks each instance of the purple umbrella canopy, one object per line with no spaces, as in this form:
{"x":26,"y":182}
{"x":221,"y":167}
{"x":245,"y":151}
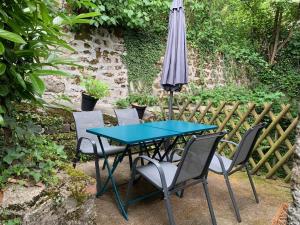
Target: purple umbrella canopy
{"x":175,"y":67}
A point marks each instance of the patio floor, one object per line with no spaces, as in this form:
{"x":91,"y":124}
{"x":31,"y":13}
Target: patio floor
{"x":192,"y":208}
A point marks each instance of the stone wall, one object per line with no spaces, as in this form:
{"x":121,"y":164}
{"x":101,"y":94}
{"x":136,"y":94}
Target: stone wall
{"x":207,"y":73}
{"x":99,"y":51}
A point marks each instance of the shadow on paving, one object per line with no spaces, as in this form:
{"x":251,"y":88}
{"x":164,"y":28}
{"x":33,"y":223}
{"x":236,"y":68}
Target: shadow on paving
{"x":192,"y":208}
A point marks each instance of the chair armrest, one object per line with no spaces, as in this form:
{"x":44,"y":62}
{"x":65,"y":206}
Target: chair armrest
{"x":230,"y":142}
{"x":175,"y":151}
{"x":156,"y":164}
{"x":220,"y":161}
{"x":91,"y":141}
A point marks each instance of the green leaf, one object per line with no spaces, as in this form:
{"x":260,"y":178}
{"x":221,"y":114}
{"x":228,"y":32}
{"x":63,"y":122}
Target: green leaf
{"x":1,"y":121}
{"x":105,"y":17}
{"x":4,"y":90}
{"x":45,"y":13}
{"x":18,"y":77}
{"x":38,"y":84}
{"x":2,"y":68}
{"x":36,"y":176}
{"x":2,"y":109}
{"x":11,"y":36}
{"x":51,"y":72}
{"x":87,"y":15}
{"x":2,"y":48}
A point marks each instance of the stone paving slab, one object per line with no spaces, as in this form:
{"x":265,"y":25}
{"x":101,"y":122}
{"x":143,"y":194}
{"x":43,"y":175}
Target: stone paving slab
{"x":192,"y":208}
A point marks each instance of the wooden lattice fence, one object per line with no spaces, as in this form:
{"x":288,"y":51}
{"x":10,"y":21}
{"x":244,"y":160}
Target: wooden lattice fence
{"x":273,"y":149}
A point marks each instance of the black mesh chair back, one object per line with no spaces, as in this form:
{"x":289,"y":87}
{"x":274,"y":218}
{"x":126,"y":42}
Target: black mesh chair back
{"x":127,"y":116}
{"x":247,"y":144}
{"x":196,"y":158}
{"x":85,"y":120}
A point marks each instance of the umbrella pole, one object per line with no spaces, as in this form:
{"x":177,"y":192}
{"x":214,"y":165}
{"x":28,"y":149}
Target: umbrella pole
{"x":171,"y":105}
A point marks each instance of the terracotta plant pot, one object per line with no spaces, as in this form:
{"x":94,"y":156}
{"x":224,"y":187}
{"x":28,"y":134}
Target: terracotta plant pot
{"x":140,"y":109}
{"x":88,"y":102}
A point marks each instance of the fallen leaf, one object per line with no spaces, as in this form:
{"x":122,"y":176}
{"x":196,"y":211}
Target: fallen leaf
{"x":12,"y":180}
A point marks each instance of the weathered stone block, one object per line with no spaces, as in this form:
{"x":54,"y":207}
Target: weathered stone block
{"x":120,"y":80}
{"x":54,"y":84}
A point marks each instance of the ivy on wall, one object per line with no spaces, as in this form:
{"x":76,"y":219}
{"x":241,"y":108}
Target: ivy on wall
{"x":144,"y":50}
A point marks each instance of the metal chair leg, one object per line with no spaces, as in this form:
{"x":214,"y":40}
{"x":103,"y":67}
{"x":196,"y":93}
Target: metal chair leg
{"x":236,"y":210}
{"x":252,"y":184}
{"x":76,"y":159}
{"x":169,"y":208}
{"x":211,"y":210}
{"x":98,"y":179}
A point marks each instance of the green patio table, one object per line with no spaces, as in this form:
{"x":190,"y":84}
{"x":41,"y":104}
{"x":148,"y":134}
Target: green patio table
{"x":136,"y":134}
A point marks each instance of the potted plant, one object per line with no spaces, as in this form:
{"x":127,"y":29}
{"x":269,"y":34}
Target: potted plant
{"x":138,"y":98}
{"x":137,"y":101}
{"x":94,"y":90}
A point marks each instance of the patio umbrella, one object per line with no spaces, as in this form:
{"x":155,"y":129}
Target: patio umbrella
{"x":175,"y":67}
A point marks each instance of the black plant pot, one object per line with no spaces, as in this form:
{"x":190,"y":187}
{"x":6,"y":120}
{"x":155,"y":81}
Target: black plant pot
{"x":88,"y":102}
{"x":140,"y":109}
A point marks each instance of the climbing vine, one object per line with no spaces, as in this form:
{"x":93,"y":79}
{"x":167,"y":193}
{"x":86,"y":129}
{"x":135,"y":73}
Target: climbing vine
{"x":143,"y":52}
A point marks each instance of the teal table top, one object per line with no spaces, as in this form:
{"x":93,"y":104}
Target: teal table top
{"x":132,"y":134}
{"x":182,"y":127}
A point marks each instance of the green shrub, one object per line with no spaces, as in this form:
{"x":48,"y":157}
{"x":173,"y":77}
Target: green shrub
{"x":122,"y":103}
{"x":34,"y":160}
{"x":139,"y":99}
{"x":232,"y":93}
{"x":95,"y":88}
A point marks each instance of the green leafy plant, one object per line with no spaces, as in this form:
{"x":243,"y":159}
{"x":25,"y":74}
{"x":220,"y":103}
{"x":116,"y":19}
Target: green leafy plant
{"x":137,"y":96}
{"x":143,"y":52}
{"x":31,"y":34}
{"x":95,"y":88}
{"x":233,"y":93}
{"x":34,"y":160}
{"x":133,"y":14}
{"x":122,"y":103}
{"x":15,"y":221}
{"x":137,"y":99}
{"x":142,"y":99}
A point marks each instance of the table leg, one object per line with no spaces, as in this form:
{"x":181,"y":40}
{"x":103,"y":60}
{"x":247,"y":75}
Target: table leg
{"x":156,"y":151}
{"x":169,"y":148}
{"x":114,"y":167}
{"x":111,"y":178}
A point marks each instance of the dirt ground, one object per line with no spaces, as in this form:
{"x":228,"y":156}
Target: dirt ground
{"x":192,"y":208}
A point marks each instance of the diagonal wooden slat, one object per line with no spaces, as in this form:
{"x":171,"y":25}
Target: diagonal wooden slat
{"x":207,"y":108}
{"x":228,"y":116}
{"x":272,"y":125}
{"x":276,"y":144}
{"x":273,"y":148}
{"x":243,"y":118}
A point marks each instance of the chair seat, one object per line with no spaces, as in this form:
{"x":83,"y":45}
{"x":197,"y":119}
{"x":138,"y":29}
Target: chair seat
{"x":216,"y":166}
{"x":87,"y":147}
{"x":150,"y":173}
